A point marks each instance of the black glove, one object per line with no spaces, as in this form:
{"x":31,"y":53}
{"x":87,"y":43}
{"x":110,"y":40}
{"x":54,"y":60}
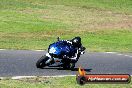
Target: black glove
{"x":82,"y":48}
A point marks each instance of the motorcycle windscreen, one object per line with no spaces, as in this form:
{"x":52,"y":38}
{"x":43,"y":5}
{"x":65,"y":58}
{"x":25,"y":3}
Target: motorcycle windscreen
{"x":62,"y":48}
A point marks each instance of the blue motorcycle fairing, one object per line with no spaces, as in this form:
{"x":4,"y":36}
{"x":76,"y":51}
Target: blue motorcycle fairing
{"x":62,"y":48}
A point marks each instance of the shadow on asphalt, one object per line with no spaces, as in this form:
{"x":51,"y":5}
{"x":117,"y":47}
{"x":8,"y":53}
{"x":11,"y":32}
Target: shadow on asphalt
{"x":87,"y":70}
{"x":75,"y":69}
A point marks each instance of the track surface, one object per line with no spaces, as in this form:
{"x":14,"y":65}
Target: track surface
{"x":22,"y":63}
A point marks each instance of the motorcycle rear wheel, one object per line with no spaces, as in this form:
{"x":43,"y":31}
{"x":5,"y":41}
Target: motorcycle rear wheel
{"x":69,"y":66}
{"x":42,"y":62}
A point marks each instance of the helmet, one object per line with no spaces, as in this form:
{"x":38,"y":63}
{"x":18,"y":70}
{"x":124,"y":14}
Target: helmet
{"x":76,"y":41}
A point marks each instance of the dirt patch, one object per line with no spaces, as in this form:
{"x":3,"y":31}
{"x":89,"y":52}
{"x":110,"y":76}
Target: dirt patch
{"x":37,"y":80}
{"x":124,"y":24}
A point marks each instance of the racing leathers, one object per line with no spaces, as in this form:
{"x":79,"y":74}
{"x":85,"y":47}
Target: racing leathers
{"x":80,"y":50}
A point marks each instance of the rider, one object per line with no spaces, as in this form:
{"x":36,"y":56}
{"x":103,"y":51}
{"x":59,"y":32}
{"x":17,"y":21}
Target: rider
{"x":76,"y":42}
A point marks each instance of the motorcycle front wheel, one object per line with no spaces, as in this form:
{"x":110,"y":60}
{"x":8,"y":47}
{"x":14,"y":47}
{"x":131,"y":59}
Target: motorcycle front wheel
{"x":42,"y":62}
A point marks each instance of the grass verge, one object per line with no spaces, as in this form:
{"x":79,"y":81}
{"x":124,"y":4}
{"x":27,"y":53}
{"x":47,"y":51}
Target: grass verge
{"x":103,"y":25}
{"x":56,"y":82}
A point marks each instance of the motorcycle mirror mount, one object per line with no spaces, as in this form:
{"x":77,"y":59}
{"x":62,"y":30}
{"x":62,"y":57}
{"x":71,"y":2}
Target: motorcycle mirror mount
{"x":58,"y":38}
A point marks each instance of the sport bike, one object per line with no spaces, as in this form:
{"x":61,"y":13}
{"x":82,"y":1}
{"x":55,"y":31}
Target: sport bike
{"x":59,"y":54}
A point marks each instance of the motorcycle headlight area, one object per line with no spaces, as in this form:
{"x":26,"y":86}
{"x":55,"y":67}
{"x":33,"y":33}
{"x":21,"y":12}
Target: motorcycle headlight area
{"x":52,"y":50}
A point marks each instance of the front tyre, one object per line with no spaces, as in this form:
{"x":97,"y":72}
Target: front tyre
{"x":42,"y":62}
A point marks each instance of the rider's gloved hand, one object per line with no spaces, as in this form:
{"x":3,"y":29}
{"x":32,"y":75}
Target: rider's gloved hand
{"x":83,"y":48}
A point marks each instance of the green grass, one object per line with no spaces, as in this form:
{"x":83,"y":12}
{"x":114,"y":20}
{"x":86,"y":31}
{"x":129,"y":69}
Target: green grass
{"x":117,"y":5}
{"x":63,"y":82}
{"x":104,"y":25}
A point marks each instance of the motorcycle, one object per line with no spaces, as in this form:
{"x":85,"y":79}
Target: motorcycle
{"x":59,"y":54}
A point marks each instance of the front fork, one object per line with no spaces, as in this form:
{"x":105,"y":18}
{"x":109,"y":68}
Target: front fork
{"x":49,"y":60}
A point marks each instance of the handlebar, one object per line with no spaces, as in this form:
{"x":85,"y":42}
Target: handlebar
{"x":58,"y":38}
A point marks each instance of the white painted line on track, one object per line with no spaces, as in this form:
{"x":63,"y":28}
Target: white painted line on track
{"x":1,"y":78}
{"x":59,"y":76}
{"x":127,"y":55}
{"x":103,"y":52}
{"x":110,"y":52}
{"x":2,"y":49}
{"x":27,"y":50}
{"x":38,"y":50}
{"x":21,"y":77}
{"x":119,"y":54}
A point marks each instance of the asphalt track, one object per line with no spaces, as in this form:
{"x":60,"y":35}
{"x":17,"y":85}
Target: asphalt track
{"x":22,"y":63}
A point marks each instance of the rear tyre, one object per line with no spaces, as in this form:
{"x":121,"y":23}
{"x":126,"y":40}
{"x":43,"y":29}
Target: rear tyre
{"x":42,"y":62}
{"x":72,"y":66}
{"x":69,"y":66}
{"x":65,"y":66}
